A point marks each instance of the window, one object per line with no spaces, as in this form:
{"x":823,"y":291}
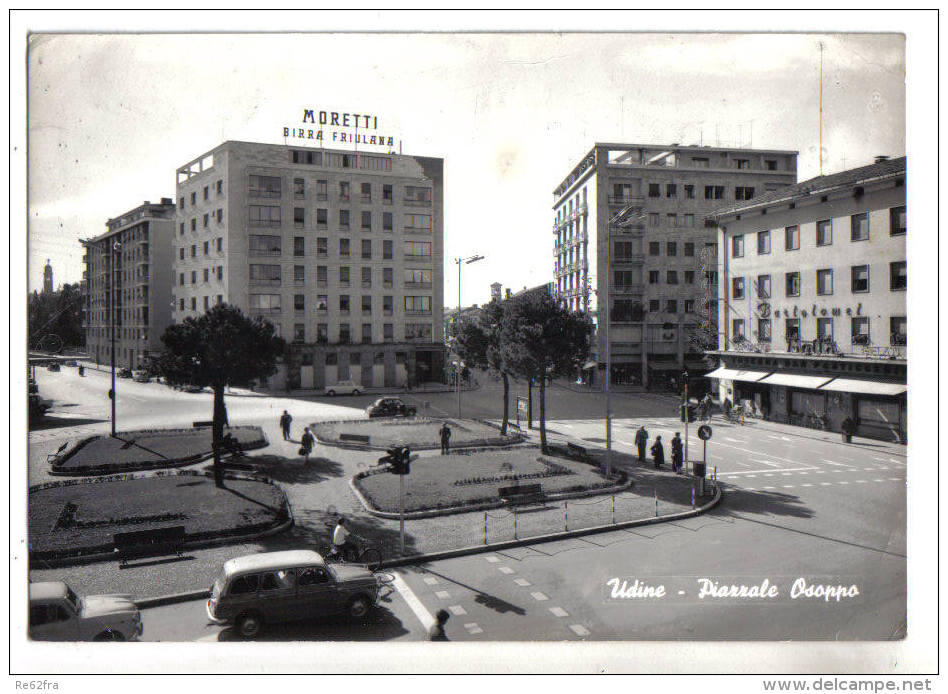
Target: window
{"x":737,"y":246}
{"x":792,"y":238}
{"x":299,"y":274}
{"x":418,"y":305}
{"x":387,"y":223}
{"x":824,"y":328}
{"x":671,"y":190}
{"x":181,"y":304}
{"x":417,"y":250}
{"x":366,"y":277}
{"x":387,"y":250}
{"x":418,"y":223}
{"x":265,"y":186}
{"x":181,"y":278}
{"x":207,"y":218}
{"x":299,"y":302}
{"x":714,"y":192}
{"x":298,"y":217}
{"x":220,"y":274}
{"x":417,"y":279}
{"x":387,"y":194}
{"x":322,"y":217}
{"x":181,"y":253}
{"x":671,"y":248}
{"x":689,"y":276}
{"x":344,"y":275}
{"x":299,"y":246}
{"x":299,"y":188}
{"x":344,"y":303}
{"x":672,"y":277}
{"x":763,"y":330}
{"x":737,"y":287}
{"x":737,"y":329}
{"x":193,"y":250}
{"x":388,"y":332}
{"x":387,"y":277}
{"x":763,"y":286}
{"x":860,"y":330}
{"x":824,"y":232}
{"x":688,"y":220}
{"x":689,"y":191}
{"x":181,"y":229}
{"x":770,"y":164}
{"x":689,"y":249}
{"x":689,"y":305}
{"x":860,"y":227}
{"x":263,"y":216}
{"x":207,"y":275}
{"x":743,"y":193}
{"x":654,"y":277}
{"x":366,"y":333}
{"x":741,"y":164}
{"x":193,"y":199}
{"x":322,"y":303}
{"x":654,"y":190}
{"x":387,"y":305}
{"x":265,"y":303}
{"x":322,"y":334}
{"x":654,"y":248}
{"x":792,"y":280}
{"x":654,"y":305}
{"x":343,"y":219}
{"x":366,"y":305}
{"x":322,"y":247}
{"x":181,"y":202}
{"x":367,"y":220}
{"x":206,"y":192}
{"x":763,"y":242}
{"x":343,"y":248}
{"x":898,"y":330}
{"x":322,"y":192}
{"x":897,"y":221}
{"x":701,"y":162}
{"x":344,"y":191}
{"x":220,"y":187}
{"x":792,"y":329}
{"x":860,"y":278}
{"x":671,"y":306}
{"x":220,"y":244}
{"x":824,"y":282}
{"x":344,"y":336}
{"x":366,"y":189}
{"x":653,"y":219}
{"x":898,"y":278}
{"x":220,"y":215}
{"x":418,"y":196}
{"x":366,"y":249}
{"x":193,"y":224}
{"x":322,"y":275}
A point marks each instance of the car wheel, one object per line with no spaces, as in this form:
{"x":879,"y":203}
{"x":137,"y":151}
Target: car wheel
{"x":249,"y":625}
{"x":331,"y":393}
{"x":355,"y":392}
{"x":110,"y":635}
{"x":358,"y":607}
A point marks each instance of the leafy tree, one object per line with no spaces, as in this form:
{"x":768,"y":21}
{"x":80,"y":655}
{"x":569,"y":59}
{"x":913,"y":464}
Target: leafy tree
{"x":478,"y":344}
{"x":219,"y":349}
{"x":58,"y":313}
{"x":541,"y":340}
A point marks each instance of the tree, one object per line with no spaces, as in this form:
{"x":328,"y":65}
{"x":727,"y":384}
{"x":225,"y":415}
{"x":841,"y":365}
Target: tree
{"x":218,"y":349}
{"x":478,"y":344}
{"x":541,"y":340}
{"x":56,"y":314}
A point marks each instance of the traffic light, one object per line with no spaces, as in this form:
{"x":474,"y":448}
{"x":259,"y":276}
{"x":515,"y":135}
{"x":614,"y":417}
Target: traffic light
{"x":398,"y":460}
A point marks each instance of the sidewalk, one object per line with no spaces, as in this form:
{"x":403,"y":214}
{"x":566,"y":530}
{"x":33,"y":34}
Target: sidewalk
{"x":324,"y":483}
{"x":304,"y":393}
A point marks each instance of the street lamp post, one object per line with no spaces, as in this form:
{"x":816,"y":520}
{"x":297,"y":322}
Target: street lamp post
{"x":114,"y":251}
{"x":457,"y":319}
{"x":684,"y":376}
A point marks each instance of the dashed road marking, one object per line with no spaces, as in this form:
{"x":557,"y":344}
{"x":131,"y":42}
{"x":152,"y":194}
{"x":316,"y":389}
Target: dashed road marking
{"x":522,"y":582}
{"x":788,"y":486}
{"x":505,"y":569}
{"x":559,"y":612}
{"x":539,"y":597}
{"x":579,"y":629}
{"x":492,"y":559}
{"x":806,"y":485}
{"x":825,"y":484}
{"x":431,"y":580}
{"x":833,"y":462}
{"x":472,"y":628}
{"x":860,"y":481}
{"x":767,"y":487}
{"x":457,"y":610}
{"x":878,"y":480}
{"x":895,"y":479}
{"x":842,"y":482}
{"x":442,"y":594}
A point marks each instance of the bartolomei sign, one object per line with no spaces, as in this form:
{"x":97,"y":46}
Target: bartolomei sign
{"x":334,"y":126}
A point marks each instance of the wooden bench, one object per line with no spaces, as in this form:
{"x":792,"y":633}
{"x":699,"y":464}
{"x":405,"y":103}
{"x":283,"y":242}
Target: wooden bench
{"x":148,"y":543}
{"x":354,"y":438}
{"x":521,"y":494}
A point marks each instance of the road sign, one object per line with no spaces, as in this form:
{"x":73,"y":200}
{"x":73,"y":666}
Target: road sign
{"x":704,"y":432}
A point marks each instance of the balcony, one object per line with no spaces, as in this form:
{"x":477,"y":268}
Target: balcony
{"x":618,"y":200}
{"x":410,"y":202}
{"x":635,"y":258}
{"x":635,"y":288}
{"x":265,"y":311}
{"x":417,"y":285}
{"x":420,"y":312}
{"x":417,"y":230}
{"x":265,"y":282}
{"x":417,"y":258}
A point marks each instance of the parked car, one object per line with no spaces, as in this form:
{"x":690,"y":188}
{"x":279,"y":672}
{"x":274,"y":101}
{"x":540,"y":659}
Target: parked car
{"x":142,"y":377}
{"x":343,"y":388}
{"x":125,"y":373}
{"x":390,"y":407}
{"x":72,"y":362}
{"x":53,"y":367}
{"x":58,"y":614}
{"x":193,"y":389}
{"x":293,"y":585}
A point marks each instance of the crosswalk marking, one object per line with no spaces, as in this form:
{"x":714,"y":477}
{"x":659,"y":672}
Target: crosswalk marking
{"x":443,"y":594}
{"x":472,"y":628}
{"x":505,"y":569}
{"x":559,"y":612}
{"x":522,"y":582}
{"x":457,"y":610}
{"x":431,"y":580}
{"x":492,"y":559}
{"x":539,"y":597}
{"x":579,"y":629}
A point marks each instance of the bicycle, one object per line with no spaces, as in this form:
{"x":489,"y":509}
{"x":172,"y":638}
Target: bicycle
{"x":369,"y":556}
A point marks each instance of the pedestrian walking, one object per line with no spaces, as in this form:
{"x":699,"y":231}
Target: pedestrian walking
{"x":658,"y":453}
{"x":436,"y":630}
{"x":726,"y":407}
{"x":306,"y":444}
{"x":445,"y":438}
{"x":641,"y":438}
{"x":285,"y":422}
{"x":677,"y":455}
{"x":226,"y":421}
{"x":708,"y":406}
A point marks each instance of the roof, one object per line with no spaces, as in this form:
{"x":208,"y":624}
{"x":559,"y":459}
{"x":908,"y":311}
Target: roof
{"x":272,"y":560}
{"x":47,"y":590}
{"x":820,"y":184}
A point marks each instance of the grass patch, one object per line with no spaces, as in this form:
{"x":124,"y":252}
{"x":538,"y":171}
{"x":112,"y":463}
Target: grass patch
{"x":149,"y":449}
{"x":76,"y":519}
{"x":416,"y":432}
{"x":461,"y":479}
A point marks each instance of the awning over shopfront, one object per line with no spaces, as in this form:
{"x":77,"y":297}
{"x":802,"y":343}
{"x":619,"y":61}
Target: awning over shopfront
{"x":589,"y":365}
{"x":855,"y":385}
{"x":737,"y":374}
{"x":795,"y":380}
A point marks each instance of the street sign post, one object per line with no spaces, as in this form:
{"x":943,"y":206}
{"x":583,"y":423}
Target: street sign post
{"x":704,"y":433}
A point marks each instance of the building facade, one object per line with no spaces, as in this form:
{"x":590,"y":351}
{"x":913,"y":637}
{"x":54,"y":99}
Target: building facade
{"x":126,"y":282}
{"x":342,"y":251}
{"x":812,"y":302}
{"x":629,"y":225}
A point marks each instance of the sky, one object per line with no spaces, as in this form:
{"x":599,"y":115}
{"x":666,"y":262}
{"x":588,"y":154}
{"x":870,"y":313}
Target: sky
{"x":111,"y":116}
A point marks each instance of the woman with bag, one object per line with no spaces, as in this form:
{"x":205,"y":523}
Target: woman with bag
{"x":307,"y":442}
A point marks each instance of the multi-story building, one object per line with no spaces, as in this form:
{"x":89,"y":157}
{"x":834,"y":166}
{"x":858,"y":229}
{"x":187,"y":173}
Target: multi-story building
{"x":629,"y":224}
{"x":342,"y":251}
{"x":812,"y":301}
{"x":130,"y":262}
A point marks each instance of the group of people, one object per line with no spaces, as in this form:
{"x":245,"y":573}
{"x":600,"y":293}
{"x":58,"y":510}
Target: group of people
{"x":307,"y":440}
{"x":658,"y":451}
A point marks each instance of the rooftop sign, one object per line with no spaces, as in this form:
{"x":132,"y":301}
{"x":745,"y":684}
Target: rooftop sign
{"x":337,"y":127}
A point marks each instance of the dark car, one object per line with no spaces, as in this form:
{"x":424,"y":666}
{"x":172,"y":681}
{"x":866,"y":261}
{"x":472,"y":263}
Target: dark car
{"x":125,"y":373}
{"x":390,"y":407}
{"x":193,"y":389}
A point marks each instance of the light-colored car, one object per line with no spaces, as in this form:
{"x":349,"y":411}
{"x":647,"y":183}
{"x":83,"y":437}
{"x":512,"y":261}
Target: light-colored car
{"x":288,"y":586}
{"x":344,"y":388}
{"x":58,"y":614}
{"x":141,"y":377}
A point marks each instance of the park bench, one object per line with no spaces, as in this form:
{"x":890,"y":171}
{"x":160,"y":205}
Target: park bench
{"x":521,"y":494}
{"x":354,"y":438}
{"x":149,"y":543}
{"x":202,"y":423}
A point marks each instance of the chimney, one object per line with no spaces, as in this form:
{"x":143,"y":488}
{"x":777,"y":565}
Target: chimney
{"x":881,"y":158}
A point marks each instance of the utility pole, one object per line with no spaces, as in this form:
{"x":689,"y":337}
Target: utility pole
{"x":112,"y":252}
{"x":457,"y":322}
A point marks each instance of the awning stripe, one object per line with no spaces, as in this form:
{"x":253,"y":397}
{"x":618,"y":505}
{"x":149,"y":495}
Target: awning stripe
{"x":798,"y":380}
{"x":737,"y":374}
{"x":855,"y":385}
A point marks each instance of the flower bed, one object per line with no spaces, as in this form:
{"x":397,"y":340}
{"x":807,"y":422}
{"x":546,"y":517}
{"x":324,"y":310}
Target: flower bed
{"x":419,"y":433}
{"x":147,"y":450}
{"x":458,"y":480}
{"x":76,"y":519}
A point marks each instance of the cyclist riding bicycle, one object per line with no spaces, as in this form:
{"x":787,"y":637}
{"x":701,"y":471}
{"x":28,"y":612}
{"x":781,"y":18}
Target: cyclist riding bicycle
{"x":341,"y":544}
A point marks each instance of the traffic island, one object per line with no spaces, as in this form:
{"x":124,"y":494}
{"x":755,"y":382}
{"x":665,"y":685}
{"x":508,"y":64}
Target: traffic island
{"x":418,"y":433}
{"x":132,"y":451}
{"x":86,"y":520}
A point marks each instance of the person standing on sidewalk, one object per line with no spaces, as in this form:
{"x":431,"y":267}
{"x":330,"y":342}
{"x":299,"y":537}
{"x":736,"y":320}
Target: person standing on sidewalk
{"x":658,"y":453}
{"x":641,"y":438}
{"x":285,"y":422}
{"x":306,"y":444}
{"x":436,"y":630}
{"x":445,"y":439}
{"x":676,"y":452}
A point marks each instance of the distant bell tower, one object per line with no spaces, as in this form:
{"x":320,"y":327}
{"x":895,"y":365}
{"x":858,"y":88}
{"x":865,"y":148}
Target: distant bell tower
{"x":495,"y":291}
{"x":48,"y":278}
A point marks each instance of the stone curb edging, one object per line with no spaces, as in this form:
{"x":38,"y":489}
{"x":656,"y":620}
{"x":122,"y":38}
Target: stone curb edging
{"x":479,"y":549}
{"x":518,"y":438}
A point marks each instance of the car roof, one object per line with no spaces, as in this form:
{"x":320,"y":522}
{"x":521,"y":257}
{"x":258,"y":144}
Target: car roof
{"x":48,"y":590}
{"x":272,"y":560}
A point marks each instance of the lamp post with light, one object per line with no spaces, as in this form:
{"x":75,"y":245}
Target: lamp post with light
{"x":114,"y":251}
{"x":457,"y":319}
